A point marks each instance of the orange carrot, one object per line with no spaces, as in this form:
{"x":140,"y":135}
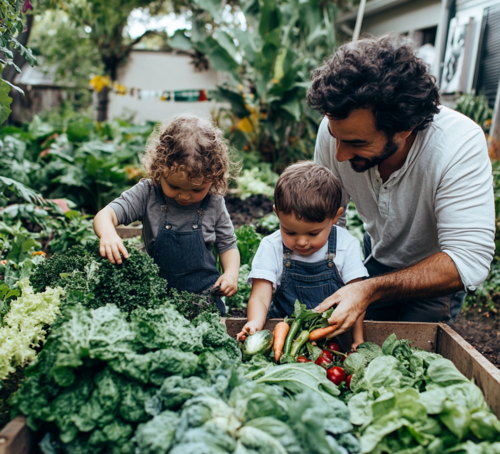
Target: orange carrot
{"x":321,"y":332}
{"x":279,"y":333}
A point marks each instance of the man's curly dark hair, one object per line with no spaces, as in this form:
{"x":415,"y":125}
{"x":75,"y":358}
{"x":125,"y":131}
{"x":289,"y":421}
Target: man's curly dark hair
{"x":382,"y":74}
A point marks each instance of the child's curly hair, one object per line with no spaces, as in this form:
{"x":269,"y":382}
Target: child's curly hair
{"x":192,"y":145}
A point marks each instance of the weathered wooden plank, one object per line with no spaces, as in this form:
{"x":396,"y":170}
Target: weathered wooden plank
{"x":15,"y":438}
{"x":471,"y":363}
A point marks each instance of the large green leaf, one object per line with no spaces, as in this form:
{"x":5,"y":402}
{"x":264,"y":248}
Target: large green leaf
{"x":20,"y":190}
{"x":300,"y":377}
{"x":180,"y":41}
{"x":235,"y":99}
{"x":213,"y":7}
{"x":5,"y":101}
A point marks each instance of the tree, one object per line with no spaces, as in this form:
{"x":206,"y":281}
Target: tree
{"x":104,"y":22}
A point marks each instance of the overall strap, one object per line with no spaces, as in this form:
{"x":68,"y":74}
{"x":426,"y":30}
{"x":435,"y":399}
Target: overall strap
{"x":160,"y":197}
{"x":287,"y":258}
{"x":201,"y":212}
{"x":332,"y":246}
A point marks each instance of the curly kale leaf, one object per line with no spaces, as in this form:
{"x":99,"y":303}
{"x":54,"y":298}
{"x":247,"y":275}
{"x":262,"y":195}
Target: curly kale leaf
{"x":135,"y":283}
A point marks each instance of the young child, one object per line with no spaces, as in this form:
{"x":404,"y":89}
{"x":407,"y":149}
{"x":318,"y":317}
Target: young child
{"x":181,"y":208}
{"x":309,"y":258}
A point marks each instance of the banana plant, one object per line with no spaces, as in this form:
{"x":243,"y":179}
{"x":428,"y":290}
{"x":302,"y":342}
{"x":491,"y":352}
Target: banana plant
{"x":268,"y":56}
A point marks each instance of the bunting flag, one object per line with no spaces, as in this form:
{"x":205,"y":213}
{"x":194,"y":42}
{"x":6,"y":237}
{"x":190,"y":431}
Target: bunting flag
{"x":99,"y":82}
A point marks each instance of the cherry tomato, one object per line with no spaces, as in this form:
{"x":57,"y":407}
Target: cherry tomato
{"x":327,"y":355}
{"x":336,"y":375}
{"x":348,"y":382}
{"x":342,"y":358}
{"x":332,"y":345}
{"x":303,"y":359}
{"x":325,"y":358}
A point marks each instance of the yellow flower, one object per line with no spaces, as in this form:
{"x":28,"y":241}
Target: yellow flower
{"x":120,"y":89}
{"x":245,"y":125}
{"x":133,"y":172}
{"x":99,"y":82}
{"x":38,"y":253}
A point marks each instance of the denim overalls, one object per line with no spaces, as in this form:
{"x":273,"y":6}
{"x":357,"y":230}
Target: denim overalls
{"x":183,"y":257}
{"x":310,"y":283}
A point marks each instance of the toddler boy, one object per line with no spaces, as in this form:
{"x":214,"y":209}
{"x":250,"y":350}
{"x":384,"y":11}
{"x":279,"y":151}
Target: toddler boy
{"x":309,"y":258}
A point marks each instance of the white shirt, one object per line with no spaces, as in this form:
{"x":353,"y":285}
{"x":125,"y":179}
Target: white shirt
{"x":440,"y":200}
{"x":268,"y":261}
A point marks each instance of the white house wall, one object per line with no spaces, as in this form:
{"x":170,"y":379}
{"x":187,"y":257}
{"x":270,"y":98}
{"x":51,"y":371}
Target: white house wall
{"x":404,"y":18}
{"x":160,"y":71}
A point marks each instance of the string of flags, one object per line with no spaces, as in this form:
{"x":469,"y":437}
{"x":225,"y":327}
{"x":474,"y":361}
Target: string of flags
{"x":99,"y":82}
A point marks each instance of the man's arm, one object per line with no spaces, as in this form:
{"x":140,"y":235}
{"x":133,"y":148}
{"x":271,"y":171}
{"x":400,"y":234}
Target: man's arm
{"x":437,"y":275}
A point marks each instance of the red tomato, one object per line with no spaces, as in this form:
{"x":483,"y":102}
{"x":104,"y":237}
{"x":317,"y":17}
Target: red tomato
{"x":303,"y":359}
{"x":332,"y":345}
{"x":325,"y":358}
{"x":348,"y":382}
{"x":336,"y":375}
{"x":327,"y":355}
{"x":342,"y":358}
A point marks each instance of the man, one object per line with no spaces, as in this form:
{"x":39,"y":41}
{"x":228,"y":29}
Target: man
{"x":419,"y":175}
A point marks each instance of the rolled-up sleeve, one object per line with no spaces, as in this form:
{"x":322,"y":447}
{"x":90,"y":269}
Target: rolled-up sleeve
{"x":465,"y":210}
{"x":225,"y":238}
{"x":130,"y":206}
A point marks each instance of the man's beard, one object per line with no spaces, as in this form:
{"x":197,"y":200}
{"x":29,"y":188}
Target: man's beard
{"x":362,"y":165}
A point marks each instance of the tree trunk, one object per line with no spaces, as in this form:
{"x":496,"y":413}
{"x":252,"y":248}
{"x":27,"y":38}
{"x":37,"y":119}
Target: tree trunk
{"x":101,"y":106}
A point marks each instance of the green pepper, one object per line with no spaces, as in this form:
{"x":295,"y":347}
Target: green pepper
{"x":300,"y":341}
{"x":290,"y":336}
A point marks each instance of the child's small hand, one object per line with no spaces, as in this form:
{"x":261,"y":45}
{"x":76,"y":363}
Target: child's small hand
{"x":355,"y":345}
{"x":250,"y":328}
{"x":112,"y":246}
{"x":228,"y":284}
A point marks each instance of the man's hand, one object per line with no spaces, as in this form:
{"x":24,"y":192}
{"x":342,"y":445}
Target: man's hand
{"x":351,"y":301}
{"x":434,"y":276}
{"x":228,"y":284}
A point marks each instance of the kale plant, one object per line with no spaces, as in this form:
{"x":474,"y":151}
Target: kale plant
{"x":93,"y":280}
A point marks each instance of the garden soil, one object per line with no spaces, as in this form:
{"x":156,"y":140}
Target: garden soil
{"x":482,"y":331}
{"x":248,"y":211}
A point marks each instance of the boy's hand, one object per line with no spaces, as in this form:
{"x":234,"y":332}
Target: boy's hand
{"x":112,"y":246}
{"x":250,"y":328}
{"x":228,"y":284}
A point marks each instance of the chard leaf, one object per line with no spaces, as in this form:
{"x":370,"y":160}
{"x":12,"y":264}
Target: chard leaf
{"x":299,"y":377}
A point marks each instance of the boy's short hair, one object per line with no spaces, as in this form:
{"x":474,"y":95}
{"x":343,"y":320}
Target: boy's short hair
{"x":309,"y":191}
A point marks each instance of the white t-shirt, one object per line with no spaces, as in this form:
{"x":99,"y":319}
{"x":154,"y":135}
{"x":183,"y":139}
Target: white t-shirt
{"x":268,"y":261}
{"x":440,"y":200}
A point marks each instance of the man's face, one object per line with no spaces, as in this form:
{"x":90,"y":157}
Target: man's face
{"x":360,"y":142}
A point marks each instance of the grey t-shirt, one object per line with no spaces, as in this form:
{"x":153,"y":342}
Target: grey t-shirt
{"x":140,"y":203}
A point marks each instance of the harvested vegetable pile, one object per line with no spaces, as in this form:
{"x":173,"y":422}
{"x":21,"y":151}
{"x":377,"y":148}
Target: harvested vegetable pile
{"x":402,"y":400}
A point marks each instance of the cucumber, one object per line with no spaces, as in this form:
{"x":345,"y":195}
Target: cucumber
{"x":260,"y":342}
